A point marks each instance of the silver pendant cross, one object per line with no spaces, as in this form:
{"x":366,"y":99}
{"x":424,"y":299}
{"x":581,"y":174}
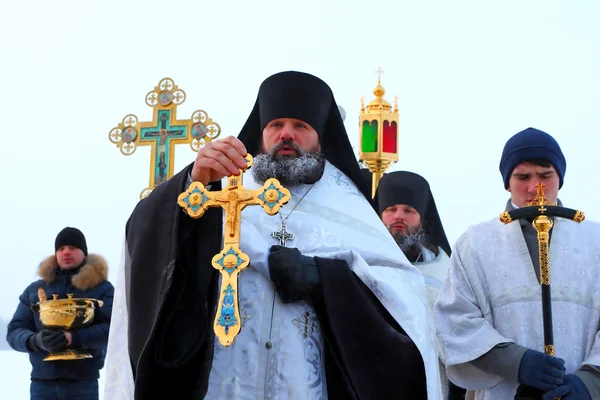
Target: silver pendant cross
{"x":283,"y":235}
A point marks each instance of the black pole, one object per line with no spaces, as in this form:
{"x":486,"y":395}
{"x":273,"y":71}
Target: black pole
{"x":526,"y":392}
{"x":547,"y":319}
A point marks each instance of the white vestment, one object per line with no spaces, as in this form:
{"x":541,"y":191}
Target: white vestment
{"x":334,"y":220}
{"x":492,"y":296}
{"x":435,"y":270}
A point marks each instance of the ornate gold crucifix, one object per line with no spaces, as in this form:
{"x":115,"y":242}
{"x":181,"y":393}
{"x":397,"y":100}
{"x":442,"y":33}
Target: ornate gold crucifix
{"x":231,"y":260}
{"x":164,"y":132}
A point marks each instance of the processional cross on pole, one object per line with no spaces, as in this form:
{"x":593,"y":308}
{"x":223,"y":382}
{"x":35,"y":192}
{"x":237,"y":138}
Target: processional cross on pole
{"x":540,"y":209}
{"x":232,"y":260}
{"x":163,"y":132}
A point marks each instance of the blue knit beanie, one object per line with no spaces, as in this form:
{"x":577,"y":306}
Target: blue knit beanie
{"x":531,"y":144}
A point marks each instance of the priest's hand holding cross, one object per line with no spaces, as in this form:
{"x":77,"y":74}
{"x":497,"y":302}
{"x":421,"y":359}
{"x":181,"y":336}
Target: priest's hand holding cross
{"x":233,"y":199}
{"x":218,"y":159}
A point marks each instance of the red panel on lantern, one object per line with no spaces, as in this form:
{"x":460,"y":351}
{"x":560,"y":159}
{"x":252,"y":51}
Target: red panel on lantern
{"x":390,"y":137}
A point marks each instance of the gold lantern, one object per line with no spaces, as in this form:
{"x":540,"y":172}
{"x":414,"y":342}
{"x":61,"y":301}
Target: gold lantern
{"x":378,"y":133}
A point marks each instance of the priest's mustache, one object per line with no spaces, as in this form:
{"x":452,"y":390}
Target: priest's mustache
{"x":285,"y":143}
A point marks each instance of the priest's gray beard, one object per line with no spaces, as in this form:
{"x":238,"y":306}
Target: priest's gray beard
{"x":305,"y":168}
{"x":411,"y":242}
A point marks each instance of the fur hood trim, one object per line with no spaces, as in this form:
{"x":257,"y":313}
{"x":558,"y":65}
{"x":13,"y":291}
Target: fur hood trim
{"x":93,"y":272}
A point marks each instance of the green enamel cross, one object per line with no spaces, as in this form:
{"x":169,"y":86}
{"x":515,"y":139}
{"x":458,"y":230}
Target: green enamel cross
{"x":164,"y":132}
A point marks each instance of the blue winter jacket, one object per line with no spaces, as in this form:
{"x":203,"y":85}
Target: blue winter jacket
{"x":88,"y":281}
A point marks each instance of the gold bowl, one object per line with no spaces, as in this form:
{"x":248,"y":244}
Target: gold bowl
{"x":64,"y":315}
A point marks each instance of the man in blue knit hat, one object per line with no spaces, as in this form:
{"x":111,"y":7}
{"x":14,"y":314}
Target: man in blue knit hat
{"x":488,"y":313}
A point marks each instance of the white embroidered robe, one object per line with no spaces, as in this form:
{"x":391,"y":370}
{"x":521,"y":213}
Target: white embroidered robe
{"x":333,"y":221}
{"x":492,"y":296}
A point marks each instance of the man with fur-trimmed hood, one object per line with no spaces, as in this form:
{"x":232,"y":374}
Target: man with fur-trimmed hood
{"x":69,"y":271}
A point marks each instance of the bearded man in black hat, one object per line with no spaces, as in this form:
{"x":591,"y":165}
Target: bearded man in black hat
{"x":69,"y":271}
{"x":407,"y":208}
{"x":331,"y":313}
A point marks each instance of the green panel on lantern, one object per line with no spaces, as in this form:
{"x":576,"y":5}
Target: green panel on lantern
{"x":369,"y":136}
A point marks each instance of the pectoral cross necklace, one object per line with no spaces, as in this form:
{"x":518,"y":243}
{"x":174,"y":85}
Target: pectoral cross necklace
{"x":282,"y":234}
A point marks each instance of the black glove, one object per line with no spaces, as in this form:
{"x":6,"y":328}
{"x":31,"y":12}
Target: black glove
{"x":47,"y":340}
{"x":541,"y":371}
{"x":295,"y":276}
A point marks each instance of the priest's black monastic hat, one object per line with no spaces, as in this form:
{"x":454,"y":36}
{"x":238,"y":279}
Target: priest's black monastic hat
{"x":403,"y":187}
{"x":305,"y":97}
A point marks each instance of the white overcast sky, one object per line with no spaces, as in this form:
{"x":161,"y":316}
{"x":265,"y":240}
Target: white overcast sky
{"x":468,"y":75}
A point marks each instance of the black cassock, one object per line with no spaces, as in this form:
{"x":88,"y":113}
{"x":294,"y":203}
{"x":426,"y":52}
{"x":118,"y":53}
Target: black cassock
{"x":172,"y":296}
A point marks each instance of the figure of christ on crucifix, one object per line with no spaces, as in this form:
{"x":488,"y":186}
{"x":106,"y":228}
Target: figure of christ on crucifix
{"x":232,"y":260}
{"x":162,"y":134}
{"x":162,"y":169}
{"x":283,"y":235}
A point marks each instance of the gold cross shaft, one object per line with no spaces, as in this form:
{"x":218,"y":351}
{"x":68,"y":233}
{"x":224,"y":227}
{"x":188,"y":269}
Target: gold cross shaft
{"x":231,"y":260}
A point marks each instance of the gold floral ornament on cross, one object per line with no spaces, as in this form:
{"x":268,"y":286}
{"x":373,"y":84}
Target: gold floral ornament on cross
{"x":164,"y":132}
{"x":540,"y":199}
{"x":231,"y":260}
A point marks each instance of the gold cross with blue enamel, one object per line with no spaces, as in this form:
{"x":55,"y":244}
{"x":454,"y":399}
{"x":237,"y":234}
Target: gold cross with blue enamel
{"x":233,"y":198}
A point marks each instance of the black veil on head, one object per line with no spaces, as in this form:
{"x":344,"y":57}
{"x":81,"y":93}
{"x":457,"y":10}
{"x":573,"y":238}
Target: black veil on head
{"x":305,"y":97}
{"x":403,"y":187}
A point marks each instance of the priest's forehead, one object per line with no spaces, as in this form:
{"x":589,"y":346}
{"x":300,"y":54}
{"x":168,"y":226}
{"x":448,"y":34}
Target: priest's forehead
{"x":402,"y":206}
{"x":293,"y":120}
